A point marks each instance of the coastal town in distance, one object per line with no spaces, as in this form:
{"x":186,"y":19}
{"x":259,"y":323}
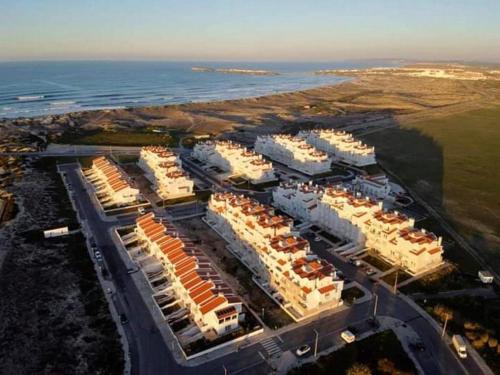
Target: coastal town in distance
{"x":167,"y":209}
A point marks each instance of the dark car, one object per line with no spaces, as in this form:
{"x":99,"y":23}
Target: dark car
{"x":123,"y":319}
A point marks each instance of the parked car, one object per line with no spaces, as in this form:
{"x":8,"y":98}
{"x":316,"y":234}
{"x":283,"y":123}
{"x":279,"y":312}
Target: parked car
{"x":417,"y":346}
{"x":304,"y":349}
{"x":348,"y":336}
{"x":317,"y":239}
{"x":459,"y":345}
{"x":141,"y":210}
{"x":370,"y":271}
{"x":123,"y":319}
{"x":132,"y":270}
{"x":355,"y":262}
{"x":97,"y":255}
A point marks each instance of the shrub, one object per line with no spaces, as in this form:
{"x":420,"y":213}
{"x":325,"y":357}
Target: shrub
{"x":471,"y":326}
{"x":471,"y":335}
{"x":443,"y":312}
{"x":492,"y":342}
{"x":359,"y":369}
{"x":385,"y":365}
{"x":478,"y":344}
{"x":484,"y":337}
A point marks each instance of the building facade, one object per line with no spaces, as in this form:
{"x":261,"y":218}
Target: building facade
{"x":341,"y":145}
{"x":235,"y":158}
{"x":294,"y":152}
{"x":164,"y":169}
{"x":304,"y":283}
{"x":363,"y":221}
{"x":373,"y":186}
{"x":114,"y":182}
{"x":212,"y":304}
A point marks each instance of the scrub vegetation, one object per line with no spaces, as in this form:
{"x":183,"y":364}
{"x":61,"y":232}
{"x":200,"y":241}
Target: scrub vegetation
{"x":54,"y":318}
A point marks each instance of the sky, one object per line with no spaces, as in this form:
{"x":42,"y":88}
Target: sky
{"x":255,"y":30}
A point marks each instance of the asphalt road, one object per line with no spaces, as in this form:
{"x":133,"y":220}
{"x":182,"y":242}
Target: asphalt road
{"x":150,"y":354}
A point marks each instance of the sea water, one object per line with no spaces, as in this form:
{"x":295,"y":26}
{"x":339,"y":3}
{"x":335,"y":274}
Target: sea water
{"x":30,"y":89}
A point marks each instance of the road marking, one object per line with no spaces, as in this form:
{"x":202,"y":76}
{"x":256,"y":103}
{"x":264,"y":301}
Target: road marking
{"x":261,"y":355}
{"x":271,"y":346}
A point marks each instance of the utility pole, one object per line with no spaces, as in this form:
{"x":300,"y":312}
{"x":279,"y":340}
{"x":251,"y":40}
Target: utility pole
{"x":376,"y":305}
{"x":225,"y":369}
{"x":445,"y":324}
{"x":395,"y":288}
{"x":263,"y":313}
{"x":316,"y":343}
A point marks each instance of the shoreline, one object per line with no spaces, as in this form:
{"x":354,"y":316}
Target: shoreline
{"x":108,"y":109}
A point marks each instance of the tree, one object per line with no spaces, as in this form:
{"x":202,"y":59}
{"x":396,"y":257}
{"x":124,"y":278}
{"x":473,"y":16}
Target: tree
{"x":359,"y":369}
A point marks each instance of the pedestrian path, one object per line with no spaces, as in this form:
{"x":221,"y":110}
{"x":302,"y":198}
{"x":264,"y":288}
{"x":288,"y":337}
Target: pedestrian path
{"x":271,"y":346}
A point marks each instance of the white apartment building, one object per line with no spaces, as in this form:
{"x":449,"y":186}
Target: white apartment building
{"x":374,"y":186}
{"x":294,"y":152}
{"x":235,"y":158}
{"x":363,"y":221}
{"x":341,"y":145}
{"x":263,"y":240}
{"x":114,"y":182}
{"x":164,"y":169}
{"x":213,"y":305}
{"x":298,"y":200}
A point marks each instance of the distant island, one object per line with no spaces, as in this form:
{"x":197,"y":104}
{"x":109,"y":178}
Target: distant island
{"x":257,"y":72}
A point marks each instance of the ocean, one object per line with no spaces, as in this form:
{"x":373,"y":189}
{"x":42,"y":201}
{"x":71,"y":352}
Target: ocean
{"x":29,"y":89}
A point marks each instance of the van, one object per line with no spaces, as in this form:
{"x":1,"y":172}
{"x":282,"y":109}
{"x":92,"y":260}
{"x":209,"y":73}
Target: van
{"x":348,"y":336}
{"x":459,"y":345}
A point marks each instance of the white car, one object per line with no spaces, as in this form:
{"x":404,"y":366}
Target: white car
{"x":348,"y":336}
{"x":304,"y":349}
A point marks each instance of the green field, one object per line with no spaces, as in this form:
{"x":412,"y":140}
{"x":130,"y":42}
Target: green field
{"x":451,"y":162}
{"x":141,"y":137}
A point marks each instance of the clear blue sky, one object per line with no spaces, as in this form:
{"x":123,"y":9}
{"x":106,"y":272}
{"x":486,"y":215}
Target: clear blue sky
{"x":307,"y":30}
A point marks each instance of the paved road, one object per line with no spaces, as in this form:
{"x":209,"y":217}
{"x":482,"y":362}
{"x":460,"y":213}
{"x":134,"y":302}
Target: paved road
{"x":439,"y":357}
{"x":76,"y":150}
{"x":150,"y":354}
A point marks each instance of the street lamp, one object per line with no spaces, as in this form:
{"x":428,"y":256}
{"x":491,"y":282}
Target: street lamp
{"x":375,"y":306}
{"x":395,"y":287}
{"x":316,"y":344}
{"x":445,"y":324}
